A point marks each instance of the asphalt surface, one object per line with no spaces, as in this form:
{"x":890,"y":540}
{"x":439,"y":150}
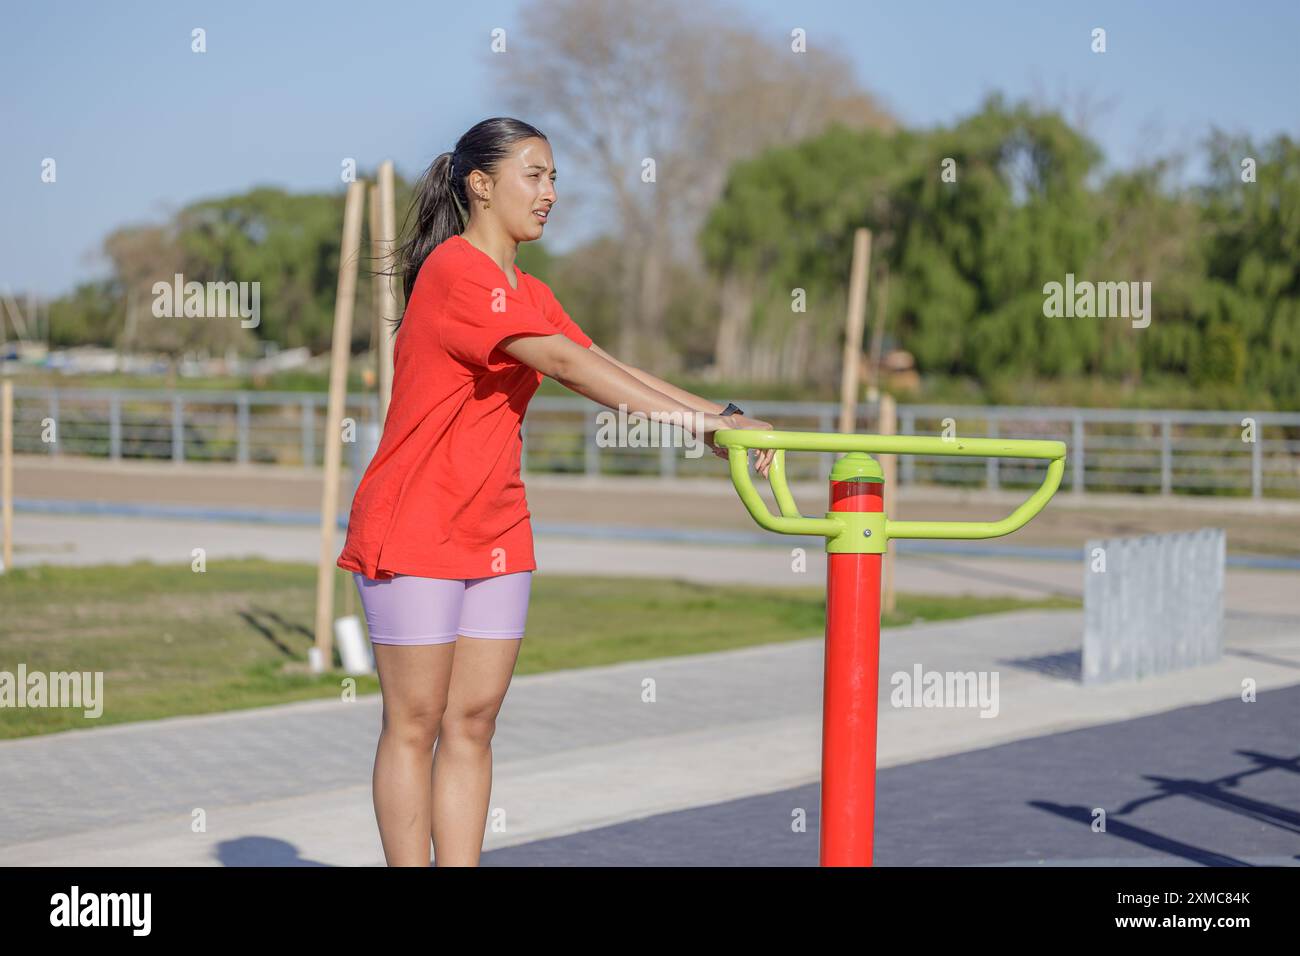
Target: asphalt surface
{"x":1212,"y":785}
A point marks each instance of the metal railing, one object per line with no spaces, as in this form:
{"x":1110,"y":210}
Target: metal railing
{"x":1243,"y":453}
{"x":1126,"y":450}
{"x":181,"y":425}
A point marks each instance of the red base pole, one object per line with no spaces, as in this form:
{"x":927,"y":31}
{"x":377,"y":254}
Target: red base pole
{"x":852,"y":681}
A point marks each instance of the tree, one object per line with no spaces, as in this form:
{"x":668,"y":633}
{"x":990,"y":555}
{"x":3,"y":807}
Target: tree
{"x":785,"y":222}
{"x":973,"y":255}
{"x":679,"y":82}
{"x":1252,"y":250}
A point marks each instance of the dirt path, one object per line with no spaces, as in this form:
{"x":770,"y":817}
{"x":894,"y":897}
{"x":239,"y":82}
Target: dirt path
{"x":1264,"y":528}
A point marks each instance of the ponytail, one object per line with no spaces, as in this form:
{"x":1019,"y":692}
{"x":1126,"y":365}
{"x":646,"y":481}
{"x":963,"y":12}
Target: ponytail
{"x":440,"y":204}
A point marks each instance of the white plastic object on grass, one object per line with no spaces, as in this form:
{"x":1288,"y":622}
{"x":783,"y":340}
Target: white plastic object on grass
{"x":354,"y":649}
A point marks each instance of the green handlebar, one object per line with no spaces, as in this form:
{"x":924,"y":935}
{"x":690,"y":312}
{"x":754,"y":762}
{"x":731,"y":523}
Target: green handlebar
{"x":739,"y":440}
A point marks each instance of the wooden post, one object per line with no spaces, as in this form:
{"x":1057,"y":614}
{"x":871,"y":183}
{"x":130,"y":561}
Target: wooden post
{"x":376,"y":280}
{"x":853,"y":327}
{"x":389,"y":300}
{"x":889,"y":468}
{"x":339,"y":354}
{"x":377,"y":293}
{"x":878,"y":330}
{"x":7,"y":471}
{"x":16,"y":317}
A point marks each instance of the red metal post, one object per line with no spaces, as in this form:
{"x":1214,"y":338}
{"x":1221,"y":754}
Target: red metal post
{"x":852,"y":681}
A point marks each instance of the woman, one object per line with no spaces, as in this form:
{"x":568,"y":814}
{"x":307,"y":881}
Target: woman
{"x":439,"y":539}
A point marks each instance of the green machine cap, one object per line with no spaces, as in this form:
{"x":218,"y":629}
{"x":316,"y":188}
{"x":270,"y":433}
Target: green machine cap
{"x":857,"y":466}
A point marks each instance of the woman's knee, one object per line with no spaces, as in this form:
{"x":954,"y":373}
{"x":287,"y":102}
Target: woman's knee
{"x":414,"y":726}
{"x":474,"y":727}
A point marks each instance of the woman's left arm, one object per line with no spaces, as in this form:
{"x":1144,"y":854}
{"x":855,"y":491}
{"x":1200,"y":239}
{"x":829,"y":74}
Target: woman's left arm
{"x":686,"y":398}
{"x":763,"y":458}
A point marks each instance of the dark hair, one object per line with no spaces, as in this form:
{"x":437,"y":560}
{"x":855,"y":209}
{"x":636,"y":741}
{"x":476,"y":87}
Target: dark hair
{"x":440,"y":204}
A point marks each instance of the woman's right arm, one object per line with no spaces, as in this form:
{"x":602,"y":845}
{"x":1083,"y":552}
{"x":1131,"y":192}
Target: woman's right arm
{"x":600,"y":380}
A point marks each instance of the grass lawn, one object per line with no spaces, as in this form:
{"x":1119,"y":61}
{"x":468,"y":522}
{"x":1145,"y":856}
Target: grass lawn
{"x":171,"y":641}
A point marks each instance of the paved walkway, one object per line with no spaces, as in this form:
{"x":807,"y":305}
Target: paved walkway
{"x":585,"y":771}
{"x":579,"y":751}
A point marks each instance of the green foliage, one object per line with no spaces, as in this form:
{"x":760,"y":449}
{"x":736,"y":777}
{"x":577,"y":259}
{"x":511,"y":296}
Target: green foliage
{"x":969,"y":255}
{"x":784,"y":215}
{"x":967,"y":261}
{"x":290,"y":244}
{"x":1220,"y":358}
{"x":91,"y":315}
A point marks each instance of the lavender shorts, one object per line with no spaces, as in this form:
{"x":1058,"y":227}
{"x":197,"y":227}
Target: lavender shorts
{"x":407,"y":609}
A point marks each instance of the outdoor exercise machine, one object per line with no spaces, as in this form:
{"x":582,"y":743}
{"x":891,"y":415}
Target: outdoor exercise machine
{"x":857,"y":531}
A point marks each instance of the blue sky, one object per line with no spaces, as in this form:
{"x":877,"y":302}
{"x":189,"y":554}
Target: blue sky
{"x":140,"y":126}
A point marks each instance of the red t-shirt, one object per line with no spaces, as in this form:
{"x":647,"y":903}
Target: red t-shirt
{"x":442,"y":497}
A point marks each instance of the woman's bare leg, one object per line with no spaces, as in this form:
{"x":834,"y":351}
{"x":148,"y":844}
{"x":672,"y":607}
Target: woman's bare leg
{"x":462,"y":770}
{"x":414,"y":682}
